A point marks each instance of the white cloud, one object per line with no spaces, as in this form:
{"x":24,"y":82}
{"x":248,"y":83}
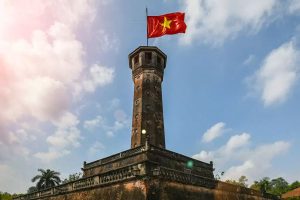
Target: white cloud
{"x":75,"y":12}
{"x":66,"y":136}
{"x":20,"y":136}
{"x":278,"y":74}
{"x":204,"y":156}
{"x":237,"y":141}
{"x":257,"y":161}
{"x":9,"y":180}
{"x":11,"y":150}
{"x":93,"y":123}
{"x":234,"y":144}
{"x":39,"y":73}
{"x":51,"y":155}
{"x":114,"y":104}
{"x":42,"y":64}
{"x":107,"y":41}
{"x":236,"y":157}
{"x":121,"y":121}
{"x":213,"y":21}
{"x":294,"y":7}
{"x":214,"y":132}
{"x":98,"y":76}
{"x":96,"y":148}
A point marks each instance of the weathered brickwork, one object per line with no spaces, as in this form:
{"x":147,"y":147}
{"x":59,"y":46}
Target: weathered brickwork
{"x":292,"y":194}
{"x":150,"y":154}
{"x":147,"y":64}
{"x":157,"y":189}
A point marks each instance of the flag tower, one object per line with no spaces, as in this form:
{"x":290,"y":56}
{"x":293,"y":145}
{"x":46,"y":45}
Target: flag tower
{"x":147,"y":65}
{"x":148,"y":171}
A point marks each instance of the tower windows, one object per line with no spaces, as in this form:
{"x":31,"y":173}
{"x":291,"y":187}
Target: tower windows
{"x":136,"y":59}
{"x":159,"y":61}
{"x":148,"y":56}
{"x":147,"y":64}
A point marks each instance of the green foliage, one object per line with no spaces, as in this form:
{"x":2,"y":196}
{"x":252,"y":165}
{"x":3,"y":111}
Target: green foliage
{"x":73,"y":177}
{"x":5,"y":196}
{"x":32,"y":189}
{"x":241,"y":182}
{"x":279,"y":186}
{"x":218,"y":176}
{"x":48,"y":178}
{"x":293,"y":198}
{"x":294,"y":185}
{"x":255,"y":185}
{"x":263,"y":185}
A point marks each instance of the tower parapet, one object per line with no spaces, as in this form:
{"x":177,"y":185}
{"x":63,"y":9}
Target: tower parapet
{"x":147,"y":64}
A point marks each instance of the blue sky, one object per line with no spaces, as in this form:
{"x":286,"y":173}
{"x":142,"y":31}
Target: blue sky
{"x":230,"y":90}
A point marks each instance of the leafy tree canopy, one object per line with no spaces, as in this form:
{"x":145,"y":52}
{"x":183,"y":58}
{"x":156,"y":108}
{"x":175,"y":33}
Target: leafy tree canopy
{"x":294,"y":185}
{"x":32,"y":189}
{"x":46,"y":179}
{"x":276,"y":186}
{"x":279,"y":186}
{"x":263,"y":185}
{"x":72,"y":177}
{"x":5,"y":196}
{"x":241,"y":182}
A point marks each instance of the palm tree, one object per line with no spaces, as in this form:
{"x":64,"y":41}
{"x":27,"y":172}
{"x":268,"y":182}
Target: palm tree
{"x":47,"y":178}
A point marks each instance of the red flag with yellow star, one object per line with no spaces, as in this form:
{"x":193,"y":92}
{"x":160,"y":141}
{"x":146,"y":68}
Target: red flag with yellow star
{"x":170,"y":23}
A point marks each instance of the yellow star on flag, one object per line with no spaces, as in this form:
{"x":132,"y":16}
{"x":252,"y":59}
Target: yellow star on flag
{"x":166,"y":23}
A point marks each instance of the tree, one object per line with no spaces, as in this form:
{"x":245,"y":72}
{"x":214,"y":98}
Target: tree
{"x":5,"y":196}
{"x":218,"y":176}
{"x":241,"y":182}
{"x":47,"y":178}
{"x":294,"y":185}
{"x":73,"y":177}
{"x":263,"y":185}
{"x":279,"y":186}
{"x":255,"y":185}
{"x":32,"y":189}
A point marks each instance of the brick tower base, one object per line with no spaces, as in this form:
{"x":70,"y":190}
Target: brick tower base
{"x":147,"y":173}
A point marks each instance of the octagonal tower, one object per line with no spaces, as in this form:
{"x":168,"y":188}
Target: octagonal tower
{"x":147,"y":64}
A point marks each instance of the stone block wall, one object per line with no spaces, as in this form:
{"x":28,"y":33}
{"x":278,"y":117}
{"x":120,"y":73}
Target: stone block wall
{"x":157,"y":189}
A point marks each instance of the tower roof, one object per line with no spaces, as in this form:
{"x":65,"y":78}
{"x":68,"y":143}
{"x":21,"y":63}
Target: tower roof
{"x":147,"y":48}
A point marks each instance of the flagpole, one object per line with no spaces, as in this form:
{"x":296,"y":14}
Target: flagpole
{"x":147,"y":24}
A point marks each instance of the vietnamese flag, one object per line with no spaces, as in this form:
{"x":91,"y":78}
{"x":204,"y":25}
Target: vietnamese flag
{"x":171,"y":23}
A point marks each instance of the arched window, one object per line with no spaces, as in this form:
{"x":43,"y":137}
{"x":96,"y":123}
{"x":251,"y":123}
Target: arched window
{"x":136,"y":59}
{"x":148,"y":57}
